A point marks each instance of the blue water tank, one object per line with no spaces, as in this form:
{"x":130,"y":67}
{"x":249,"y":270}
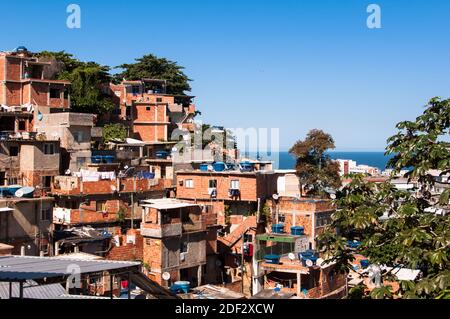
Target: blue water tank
{"x":277,"y":228}
{"x":109,"y":159}
{"x":353,"y":244}
{"x":96,"y":159}
{"x":12,"y":189}
{"x":364,"y":263}
{"x":204,"y":167}
{"x":162,"y":154}
{"x":184,"y":286}
{"x":219,"y":166}
{"x":272,"y":259}
{"x":297,"y":230}
{"x":247,"y":166}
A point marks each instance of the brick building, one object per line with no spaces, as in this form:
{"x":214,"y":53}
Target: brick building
{"x":151,"y":113}
{"x":26,"y":91}
{"x":176,"y":240}
{"x":311,"y":214}
{"x":228,"y":192}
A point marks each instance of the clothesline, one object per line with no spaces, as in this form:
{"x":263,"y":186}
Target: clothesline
{"x":92,"y":176}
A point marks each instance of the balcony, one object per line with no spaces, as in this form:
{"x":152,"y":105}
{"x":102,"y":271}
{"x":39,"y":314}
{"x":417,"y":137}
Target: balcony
{"x":161,"y":231}
{"x":190,"y":227}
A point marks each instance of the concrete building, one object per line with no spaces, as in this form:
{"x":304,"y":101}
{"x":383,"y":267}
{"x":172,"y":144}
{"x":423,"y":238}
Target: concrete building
{"x":349,"y":166}
{"x":175,"y":241}
{"x":73,"y":130}
{"x":31,"y":161}
{"x":26,"y":224}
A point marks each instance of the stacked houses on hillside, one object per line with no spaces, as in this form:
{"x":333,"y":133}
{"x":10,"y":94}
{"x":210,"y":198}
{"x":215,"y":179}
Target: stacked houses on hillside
{"x":187,"y":222}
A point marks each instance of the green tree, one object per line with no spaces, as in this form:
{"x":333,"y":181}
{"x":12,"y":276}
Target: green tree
{"x":150,"y":66}
{"x":114,"y":132}
{"x":316,"y":171}
{"x":88,"y":80}
{"x":411,"y":233}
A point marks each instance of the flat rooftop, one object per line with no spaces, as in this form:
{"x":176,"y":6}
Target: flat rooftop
{"x":165,"y":203}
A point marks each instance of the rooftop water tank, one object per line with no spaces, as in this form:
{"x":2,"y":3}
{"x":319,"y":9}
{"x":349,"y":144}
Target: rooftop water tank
{"x":12,"y":189}
{"x":162,"y":154}
{"x":219,"y":166}
{"x":277,"y":228}
{"x":109,"y":159}
{"x":364,"y":263}
{"x":297,"y":231}
{"x":96,"y":159}
{"x":184,"y":286}
{"x":272,"y":259}
{"x":204,"y":167}
{"x":247,"y":166}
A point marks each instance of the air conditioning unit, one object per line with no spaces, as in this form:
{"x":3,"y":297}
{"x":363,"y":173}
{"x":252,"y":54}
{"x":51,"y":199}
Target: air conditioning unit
{"x":182,"y":256}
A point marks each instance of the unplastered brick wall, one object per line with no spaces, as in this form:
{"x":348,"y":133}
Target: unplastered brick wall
{"x":127,"y":250}
{"x":247,"y":186}
{"x":152,"y":255}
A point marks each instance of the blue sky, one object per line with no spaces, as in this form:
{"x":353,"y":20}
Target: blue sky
{"x":293,"y":65}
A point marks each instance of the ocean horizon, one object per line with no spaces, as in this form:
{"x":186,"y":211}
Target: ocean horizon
{"x":284,"y":160}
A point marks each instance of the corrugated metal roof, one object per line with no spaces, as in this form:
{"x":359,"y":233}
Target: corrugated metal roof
{"x":17,"y":268}
{"x":31,"y":290}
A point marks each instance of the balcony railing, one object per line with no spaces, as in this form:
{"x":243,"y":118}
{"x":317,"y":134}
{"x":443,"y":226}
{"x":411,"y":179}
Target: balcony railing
{"x":161,"y":231}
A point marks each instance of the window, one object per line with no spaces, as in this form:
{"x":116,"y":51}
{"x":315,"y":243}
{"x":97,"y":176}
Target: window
{"x":100,"y":206}
{"x":13,"y":151}
{"x":78,"y":136}
{"x":47,"y":181}
{"x":184,"y":247}
{"x":158,"y":100}
{"x":135,"y":90}
{"x":248,"y":238}
{"x":212,"y":183}
{"x":128,"y":111}
{"x":55,"y":93}
{"x":189,"y":183}
{"x":234,"y":184}
{"x":2,"y":178}
{"x":148,"y":108}
{"x":66,"y":94}
{"x":281,"y":218}
{"x":22,"y":126}
{"x":49,"y":149}
{"x":46,"y":214}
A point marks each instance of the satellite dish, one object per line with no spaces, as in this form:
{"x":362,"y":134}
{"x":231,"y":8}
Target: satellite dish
{"x":166,"y":276}
{"x":275,"y":196}
{"x":333,"y":196}
{"x":320,"y":261}
{"x":309,"y":263}
{"x":291,"y":256}
{"x":68,"y":172}
{"x":113,"y":188}
{"x":19,"y":193}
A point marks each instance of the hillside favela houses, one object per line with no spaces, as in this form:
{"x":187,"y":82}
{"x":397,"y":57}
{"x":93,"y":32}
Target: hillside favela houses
{"x":141,"y":223}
